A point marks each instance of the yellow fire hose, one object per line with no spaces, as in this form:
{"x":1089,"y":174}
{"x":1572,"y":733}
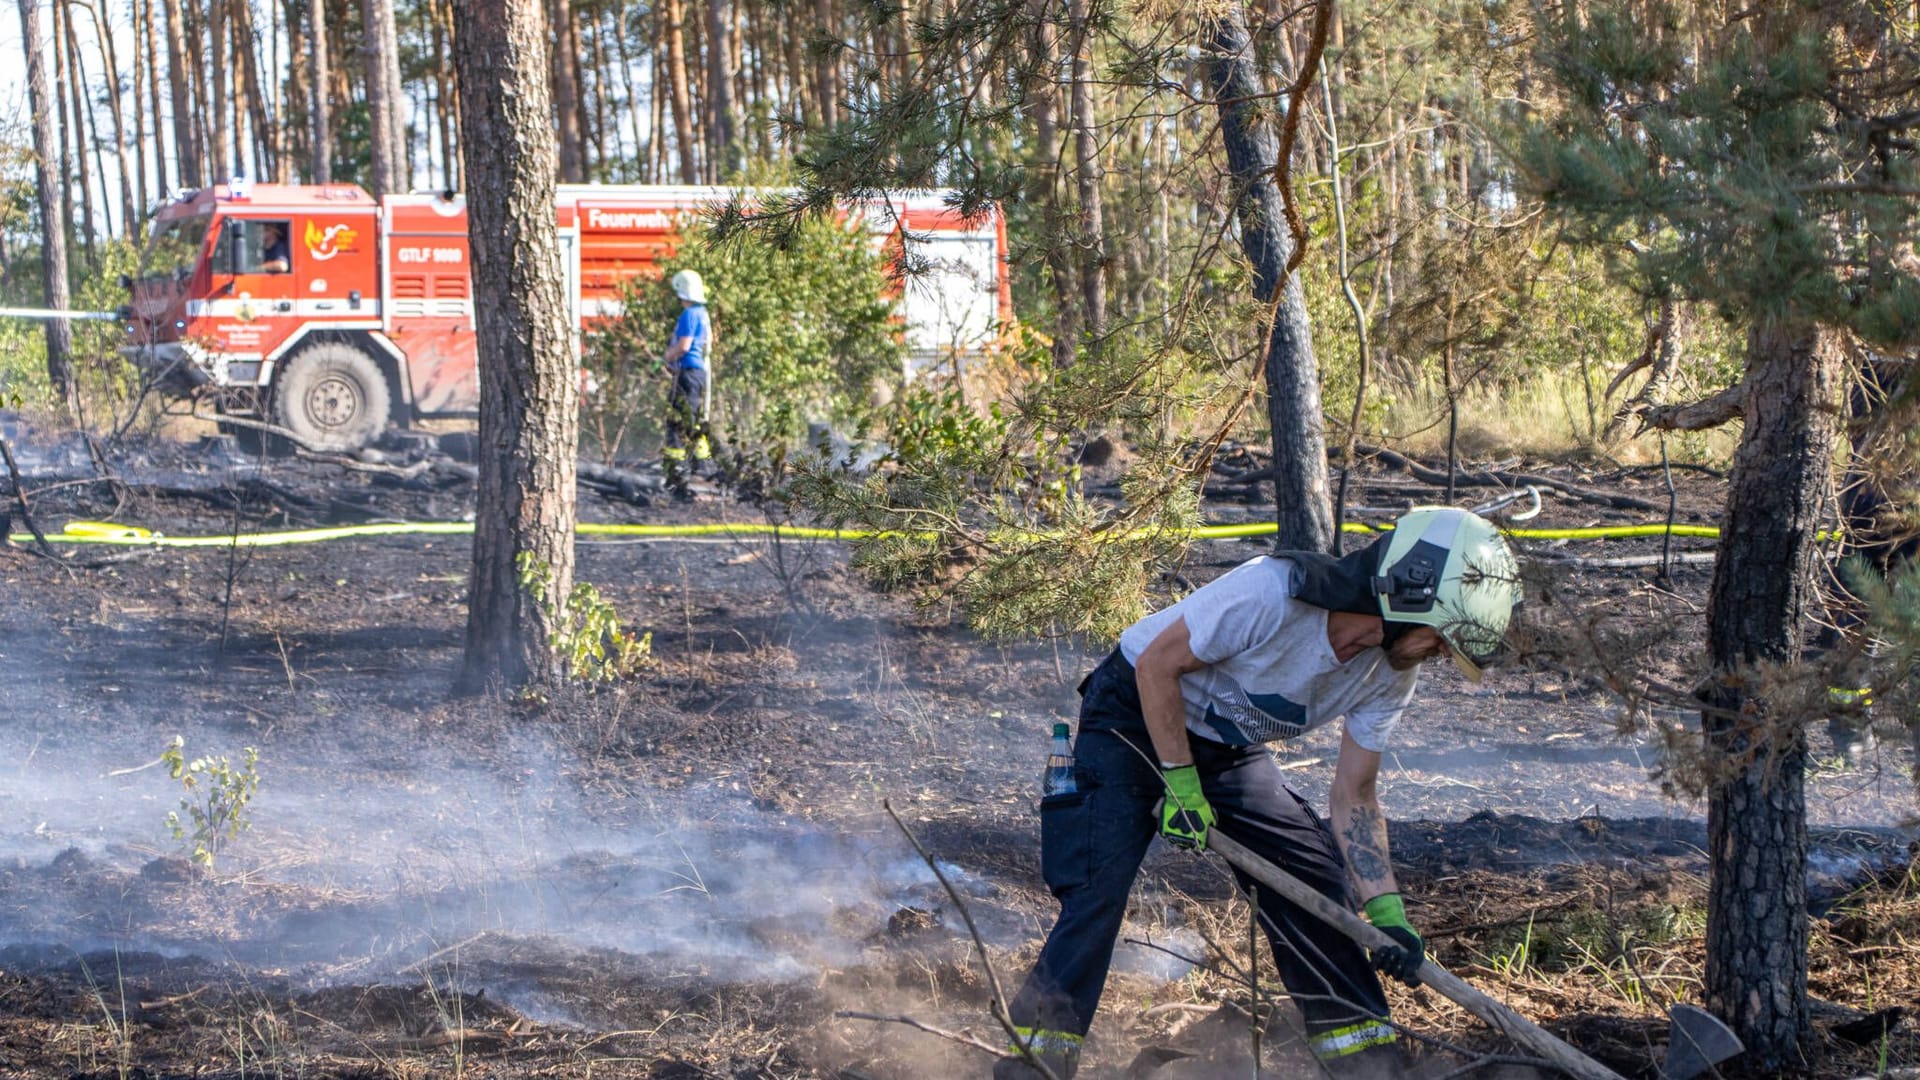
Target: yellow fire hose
{"x":105,"y":532}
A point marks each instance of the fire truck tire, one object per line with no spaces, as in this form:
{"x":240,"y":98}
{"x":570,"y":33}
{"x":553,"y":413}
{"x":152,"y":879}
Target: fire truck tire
{"x":333,"y":396}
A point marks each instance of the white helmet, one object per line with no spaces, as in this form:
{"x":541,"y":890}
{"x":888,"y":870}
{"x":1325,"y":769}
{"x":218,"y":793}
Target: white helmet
{"x":1452,"y":570}
{"x":688,"y":286}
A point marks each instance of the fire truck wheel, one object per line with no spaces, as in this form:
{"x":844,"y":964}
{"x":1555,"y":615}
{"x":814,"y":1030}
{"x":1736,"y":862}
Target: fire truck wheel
{"x":333,"y":396}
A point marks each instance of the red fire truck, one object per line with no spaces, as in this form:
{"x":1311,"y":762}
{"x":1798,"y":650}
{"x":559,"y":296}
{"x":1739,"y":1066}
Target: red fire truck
{"x":332,"y":314}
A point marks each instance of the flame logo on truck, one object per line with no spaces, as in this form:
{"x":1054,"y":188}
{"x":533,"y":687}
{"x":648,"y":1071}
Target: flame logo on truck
{"x":324,"y":244}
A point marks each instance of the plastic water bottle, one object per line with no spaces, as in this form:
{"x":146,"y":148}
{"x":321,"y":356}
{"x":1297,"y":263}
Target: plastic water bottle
{"x":1058,"y":779}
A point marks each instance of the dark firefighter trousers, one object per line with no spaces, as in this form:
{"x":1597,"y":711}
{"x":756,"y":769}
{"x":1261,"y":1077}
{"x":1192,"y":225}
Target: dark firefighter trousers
{"x":687,"y":409}
{"x":1092,"y":842}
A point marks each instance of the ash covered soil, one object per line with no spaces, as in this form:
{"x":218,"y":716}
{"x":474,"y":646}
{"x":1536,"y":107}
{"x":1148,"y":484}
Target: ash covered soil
{"x":691,"y":875}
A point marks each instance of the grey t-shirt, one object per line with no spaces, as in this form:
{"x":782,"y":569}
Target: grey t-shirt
{"x":1272,"y":673}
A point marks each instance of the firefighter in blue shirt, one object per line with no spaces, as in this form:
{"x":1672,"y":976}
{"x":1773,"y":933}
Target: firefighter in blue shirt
{"x":687,"y":359}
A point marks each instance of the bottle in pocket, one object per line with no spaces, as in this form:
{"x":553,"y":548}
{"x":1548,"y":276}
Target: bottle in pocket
{"x":1058,"y":779}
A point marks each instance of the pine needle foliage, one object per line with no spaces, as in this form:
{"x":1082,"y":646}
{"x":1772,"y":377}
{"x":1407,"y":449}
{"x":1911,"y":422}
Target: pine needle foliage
{"x":1761,"y":161}
{"x":984,"y":507}
{"x":1890,"y":686}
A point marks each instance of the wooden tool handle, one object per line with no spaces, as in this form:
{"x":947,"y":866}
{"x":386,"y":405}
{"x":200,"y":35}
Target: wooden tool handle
{"x":1509,"y":1023}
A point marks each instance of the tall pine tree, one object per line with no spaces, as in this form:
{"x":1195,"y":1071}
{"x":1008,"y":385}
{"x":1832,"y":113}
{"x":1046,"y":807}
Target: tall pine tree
{"x":1761,"y":161}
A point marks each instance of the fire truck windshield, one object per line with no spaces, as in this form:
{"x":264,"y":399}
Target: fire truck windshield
{"x":174,"y":247}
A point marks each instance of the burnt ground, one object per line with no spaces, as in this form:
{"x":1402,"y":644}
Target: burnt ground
{"x":688,"y":876}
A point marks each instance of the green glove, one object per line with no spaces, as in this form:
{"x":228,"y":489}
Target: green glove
{"x":1185,"y":815}
{"x":1403,"y":958}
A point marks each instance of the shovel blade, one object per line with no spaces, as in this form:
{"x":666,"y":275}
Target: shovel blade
{"x":1696,"y":1042}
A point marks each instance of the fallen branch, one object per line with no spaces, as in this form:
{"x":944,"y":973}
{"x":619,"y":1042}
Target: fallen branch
{"x":26,"y":512}
{"x":1499,"y":478}
{"x":1504,"y":479}
{"x":261,"y":425}
{"x":404,"y":472}
{"x":954,"y":1036}
{"x":1626,"y":562}
{"x":1710,"y":412}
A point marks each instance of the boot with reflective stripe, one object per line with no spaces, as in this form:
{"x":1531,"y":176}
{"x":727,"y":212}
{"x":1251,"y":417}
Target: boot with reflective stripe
{"x":1369,"y":1050}
{"x":1058,"y":1050}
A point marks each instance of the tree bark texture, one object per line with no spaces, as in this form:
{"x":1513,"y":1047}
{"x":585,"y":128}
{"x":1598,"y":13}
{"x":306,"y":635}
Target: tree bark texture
{"x":529,"y":387}
{"x":321,"y":105}
{"x":53,"y":220}
{"x":1756,"y":973}
{"x":1303,"y":508}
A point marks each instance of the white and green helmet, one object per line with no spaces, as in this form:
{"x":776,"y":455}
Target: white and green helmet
{"x":1452,"y":570}
{"x":688,"y":286}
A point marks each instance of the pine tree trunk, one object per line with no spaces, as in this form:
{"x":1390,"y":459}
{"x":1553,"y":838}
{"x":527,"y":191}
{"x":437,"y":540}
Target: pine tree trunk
{"x":320,"y":107}
{"x":110,"y":59}
{"x":1763,"y":584}
{"x":396,"y":97}
{"x":389,"y":162}
{"x":142,"y":40}
{"x":1092,"y":240}
{"x":53,"y":240}
{"x":68,"y":77}
{"x":186,"y":148}
{"x":529,"y":386}
{"x":638,"y":169}
{"x":445,"y":107}
{"x":684,"y":135}
{"x":221,"y":99}
{"x":723,"y":148}
{"x":656,"y":170}
{"x":201,"y":77}
{"x":1044,"y":93}
{"x":259,"y":117}
{"x":237,"y":104}
{"x":1303,"y":508}
{"x":826,"y":71}
{"x":600,"y":129}
{"x":566,"y":92}
{"x":150,"y":40}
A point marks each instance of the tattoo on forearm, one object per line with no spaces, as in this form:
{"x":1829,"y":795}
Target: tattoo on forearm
{"x":1366,"y":844}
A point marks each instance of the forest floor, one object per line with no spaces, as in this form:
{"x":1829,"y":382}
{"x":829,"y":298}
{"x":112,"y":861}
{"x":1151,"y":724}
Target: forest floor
{"x":691,"y":875}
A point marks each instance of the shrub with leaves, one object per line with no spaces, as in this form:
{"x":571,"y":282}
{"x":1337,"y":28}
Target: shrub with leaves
{"x":802,"y":332}
{"x":215,"y":803}
{"x":591,"y":640}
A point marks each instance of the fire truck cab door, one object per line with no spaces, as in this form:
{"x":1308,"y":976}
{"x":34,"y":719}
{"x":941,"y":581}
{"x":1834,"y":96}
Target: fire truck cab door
{"x":251,"y":298}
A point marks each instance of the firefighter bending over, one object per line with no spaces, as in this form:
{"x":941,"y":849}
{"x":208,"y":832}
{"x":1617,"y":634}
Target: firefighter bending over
{"x":690,"y":400}
{"x":1180,"y":711}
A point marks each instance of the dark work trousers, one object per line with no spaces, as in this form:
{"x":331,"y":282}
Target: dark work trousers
{"x":687,"y":407}
{"x":1092,"y":841}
